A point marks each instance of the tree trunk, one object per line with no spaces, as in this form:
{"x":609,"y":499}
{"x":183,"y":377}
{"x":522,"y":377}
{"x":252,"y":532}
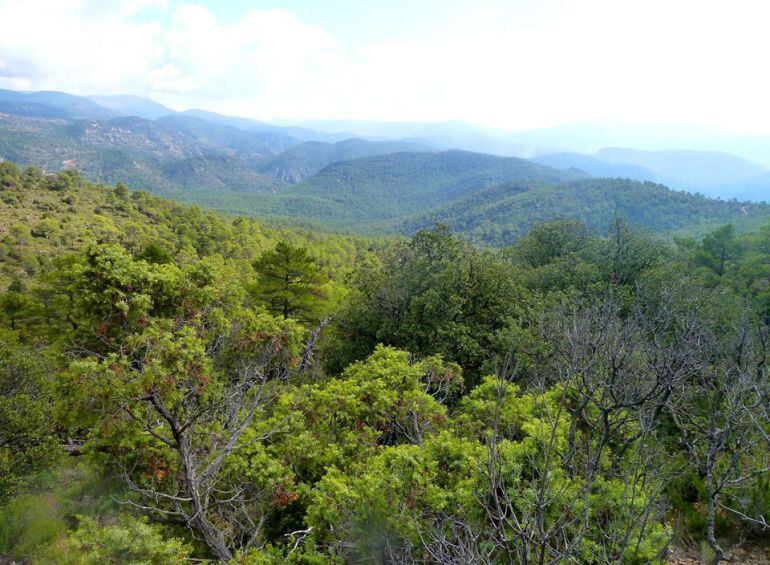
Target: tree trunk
{"x":212,"y":536}
{"x":710,"y":521}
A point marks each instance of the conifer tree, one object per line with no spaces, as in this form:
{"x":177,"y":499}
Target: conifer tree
{"x":289,"y":281}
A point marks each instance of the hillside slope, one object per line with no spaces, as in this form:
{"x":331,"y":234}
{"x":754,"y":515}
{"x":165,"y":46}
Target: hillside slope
{"x":756,"y":189}
{"x":500,"y":214}
{"x":128,"y":105}
{"x":361,"y":191}
{"x":43,"y":217}
{"x":710,"y":172}
{"x":302,"y":161}
{"x":52,"y":105}
{"x":166,"y":156}
{"x":595,"y":167}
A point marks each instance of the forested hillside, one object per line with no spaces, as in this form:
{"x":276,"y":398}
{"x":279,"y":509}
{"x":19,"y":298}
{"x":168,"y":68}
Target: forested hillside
{"x":501,"y":214}
{"x":302,"y":161}
{"x":43,"y":216}
{"x":491,"y":199}
{"x":179,"y":385}
{"x":192,"y":155}
{"x":364,"y":191}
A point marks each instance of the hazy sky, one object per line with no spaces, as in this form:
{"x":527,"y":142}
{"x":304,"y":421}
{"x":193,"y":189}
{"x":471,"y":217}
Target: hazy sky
{"x":514,"y":64}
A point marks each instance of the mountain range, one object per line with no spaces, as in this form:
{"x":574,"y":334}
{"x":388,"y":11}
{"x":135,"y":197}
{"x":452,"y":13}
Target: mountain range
{"x":711,"y":173}
{"x":394,"y":178}
{"x":705,"y":160}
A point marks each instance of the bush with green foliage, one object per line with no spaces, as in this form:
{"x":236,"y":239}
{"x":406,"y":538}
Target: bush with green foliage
{"x":28,"y":442}
{"x":130,"y":541}
{"x":434,"y":294}
{"x":532,"y":404}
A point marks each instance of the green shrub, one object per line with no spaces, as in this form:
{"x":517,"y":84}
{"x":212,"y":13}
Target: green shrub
{"x":131,"y":541}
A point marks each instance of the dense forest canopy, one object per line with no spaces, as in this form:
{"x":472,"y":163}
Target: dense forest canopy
{"x":179,"y":384}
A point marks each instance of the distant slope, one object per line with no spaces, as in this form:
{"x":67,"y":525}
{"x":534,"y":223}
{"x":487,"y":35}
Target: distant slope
{"x":710,"y":172}
{"x":52,"y":105}
{"x":304,"y":160}
{"x":378,"y":188}
{"x":298,"y":133}
{"x":165,"y":156}
{"x":127,"y":105}
{"x":756,"y":189}
{"x":255,"y":143}
{"x":441,"y":135}
{"x":595,"y":167}
{"x":500,"y":214}
{"x":232,"y":121}
{"x":588,"y":136}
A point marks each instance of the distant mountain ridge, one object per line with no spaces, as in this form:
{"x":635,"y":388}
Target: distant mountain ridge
{"x":698,"y":159}
{"x":104,"y":107}
{"x":364,"y":185}
{"x":51,"y":104}
{"x":147,"y":145}
{"x":166,"y":155}
{"x":595,"y":167}
{"x":128,"y":105}
{"x":306,"y":159}
{"x":687,"y":169}
{"x":711,"y":173}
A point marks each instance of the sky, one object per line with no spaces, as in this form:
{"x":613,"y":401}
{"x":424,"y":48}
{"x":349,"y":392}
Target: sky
{"x":510,"y":64}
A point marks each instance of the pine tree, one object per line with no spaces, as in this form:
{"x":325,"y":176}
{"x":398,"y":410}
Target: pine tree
{"x":289,"y":281}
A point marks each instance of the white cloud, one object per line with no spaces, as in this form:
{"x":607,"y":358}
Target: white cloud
{"x":171,"y":79}
{"x":264,"y":50}
{"x":512,"y":64}
{"x":65,"y":45}
{"x":84,"y":46}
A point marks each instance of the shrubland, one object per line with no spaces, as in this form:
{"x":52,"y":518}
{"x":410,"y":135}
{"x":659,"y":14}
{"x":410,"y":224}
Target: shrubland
{"x":178,"y":384}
